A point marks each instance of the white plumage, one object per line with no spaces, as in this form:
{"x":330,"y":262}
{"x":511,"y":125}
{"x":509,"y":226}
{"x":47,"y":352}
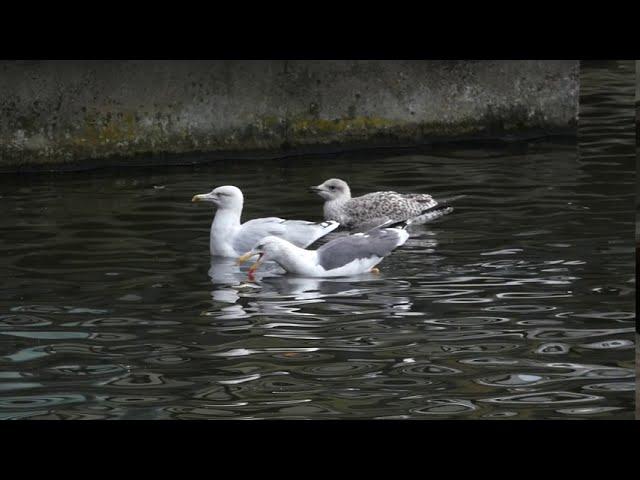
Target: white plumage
{"x":230,"y":238}
{"x":344,"y":256}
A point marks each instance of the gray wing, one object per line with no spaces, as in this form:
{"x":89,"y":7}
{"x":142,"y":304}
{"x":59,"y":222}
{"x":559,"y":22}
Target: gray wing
{"x":298,"y":232}
{"x":378,"y":243}
{"x":378,"y":207}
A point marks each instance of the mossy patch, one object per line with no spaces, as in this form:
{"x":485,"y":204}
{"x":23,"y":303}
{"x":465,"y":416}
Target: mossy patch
{"x":100,"y":128}
{"x":338,"y":126}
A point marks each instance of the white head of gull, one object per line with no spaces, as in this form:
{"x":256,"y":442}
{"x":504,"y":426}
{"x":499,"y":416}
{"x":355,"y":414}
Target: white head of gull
{"x":344,"y":256}
{"x":367,"y":211}
{"x":229,"y":237}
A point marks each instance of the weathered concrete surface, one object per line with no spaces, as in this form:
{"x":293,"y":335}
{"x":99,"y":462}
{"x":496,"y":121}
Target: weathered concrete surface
{"x":53,"y":112}
{"x":637,"y":100}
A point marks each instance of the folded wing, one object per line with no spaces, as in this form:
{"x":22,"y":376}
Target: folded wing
{"x":298,"y":232}
{"x":378,"y":207}
{"x":344,"y":250}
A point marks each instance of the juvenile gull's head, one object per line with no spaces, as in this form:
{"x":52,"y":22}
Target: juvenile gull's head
{"x":227,"y":196}
{"x":333,"y":189}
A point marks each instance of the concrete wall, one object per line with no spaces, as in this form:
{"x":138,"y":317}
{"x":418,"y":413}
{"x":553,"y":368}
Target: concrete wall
{"x":55,"y":112}
{"x":637,"y":99}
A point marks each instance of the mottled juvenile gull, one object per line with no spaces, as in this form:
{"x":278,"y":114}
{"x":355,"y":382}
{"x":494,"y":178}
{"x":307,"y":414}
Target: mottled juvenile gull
{"x":375,"y":208}
{"x":344,"y":256}
{"x":230,"y":238}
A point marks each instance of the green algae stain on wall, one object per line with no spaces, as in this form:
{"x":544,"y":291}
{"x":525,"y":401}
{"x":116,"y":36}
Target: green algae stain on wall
{"x":338,"y":126}
{"x":103,"y":128}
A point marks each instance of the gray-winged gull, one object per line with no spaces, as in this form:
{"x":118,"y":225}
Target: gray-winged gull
{"x":343,"y":256}
{"x":230,"y":238}
{"x":376,"y":208}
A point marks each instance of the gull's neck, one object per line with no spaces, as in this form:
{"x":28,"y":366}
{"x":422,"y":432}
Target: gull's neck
{"x":225,"y":225}
{"x":332,"y":208}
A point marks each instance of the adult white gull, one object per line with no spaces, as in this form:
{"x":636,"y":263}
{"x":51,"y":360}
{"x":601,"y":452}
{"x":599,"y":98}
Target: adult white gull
{"x":343,"y":256}
{"x":367,"y":211}
{"x":230,"y":238}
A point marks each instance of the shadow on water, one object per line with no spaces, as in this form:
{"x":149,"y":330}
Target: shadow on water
{"x":519,"y":305}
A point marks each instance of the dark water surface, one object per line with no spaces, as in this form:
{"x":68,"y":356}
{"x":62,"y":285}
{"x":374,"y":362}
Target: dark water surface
{"x":518,"y":305}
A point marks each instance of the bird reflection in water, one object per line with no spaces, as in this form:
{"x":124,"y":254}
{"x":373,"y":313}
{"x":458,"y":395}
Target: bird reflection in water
{"x":272,"y":290}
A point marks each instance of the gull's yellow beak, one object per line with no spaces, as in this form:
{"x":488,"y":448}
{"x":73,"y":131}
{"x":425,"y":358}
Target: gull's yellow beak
{"x":196,"y":198}
{"x":246,"y":257}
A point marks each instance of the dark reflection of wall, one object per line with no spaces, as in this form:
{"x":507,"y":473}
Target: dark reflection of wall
{"x":637,"y":225}
{"x":608,"y":134}
{"x":608,"y":119}
{"x":607,"y":110}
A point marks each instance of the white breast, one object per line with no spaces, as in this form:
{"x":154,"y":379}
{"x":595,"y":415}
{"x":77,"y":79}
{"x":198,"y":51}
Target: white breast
{"x":221,"y":243}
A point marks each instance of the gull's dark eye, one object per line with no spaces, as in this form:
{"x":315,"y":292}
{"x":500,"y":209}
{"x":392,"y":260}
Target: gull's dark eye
{"x":332,"y":187}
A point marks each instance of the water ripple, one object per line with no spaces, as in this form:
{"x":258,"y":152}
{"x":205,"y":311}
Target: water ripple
{"x":519,"y":305}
